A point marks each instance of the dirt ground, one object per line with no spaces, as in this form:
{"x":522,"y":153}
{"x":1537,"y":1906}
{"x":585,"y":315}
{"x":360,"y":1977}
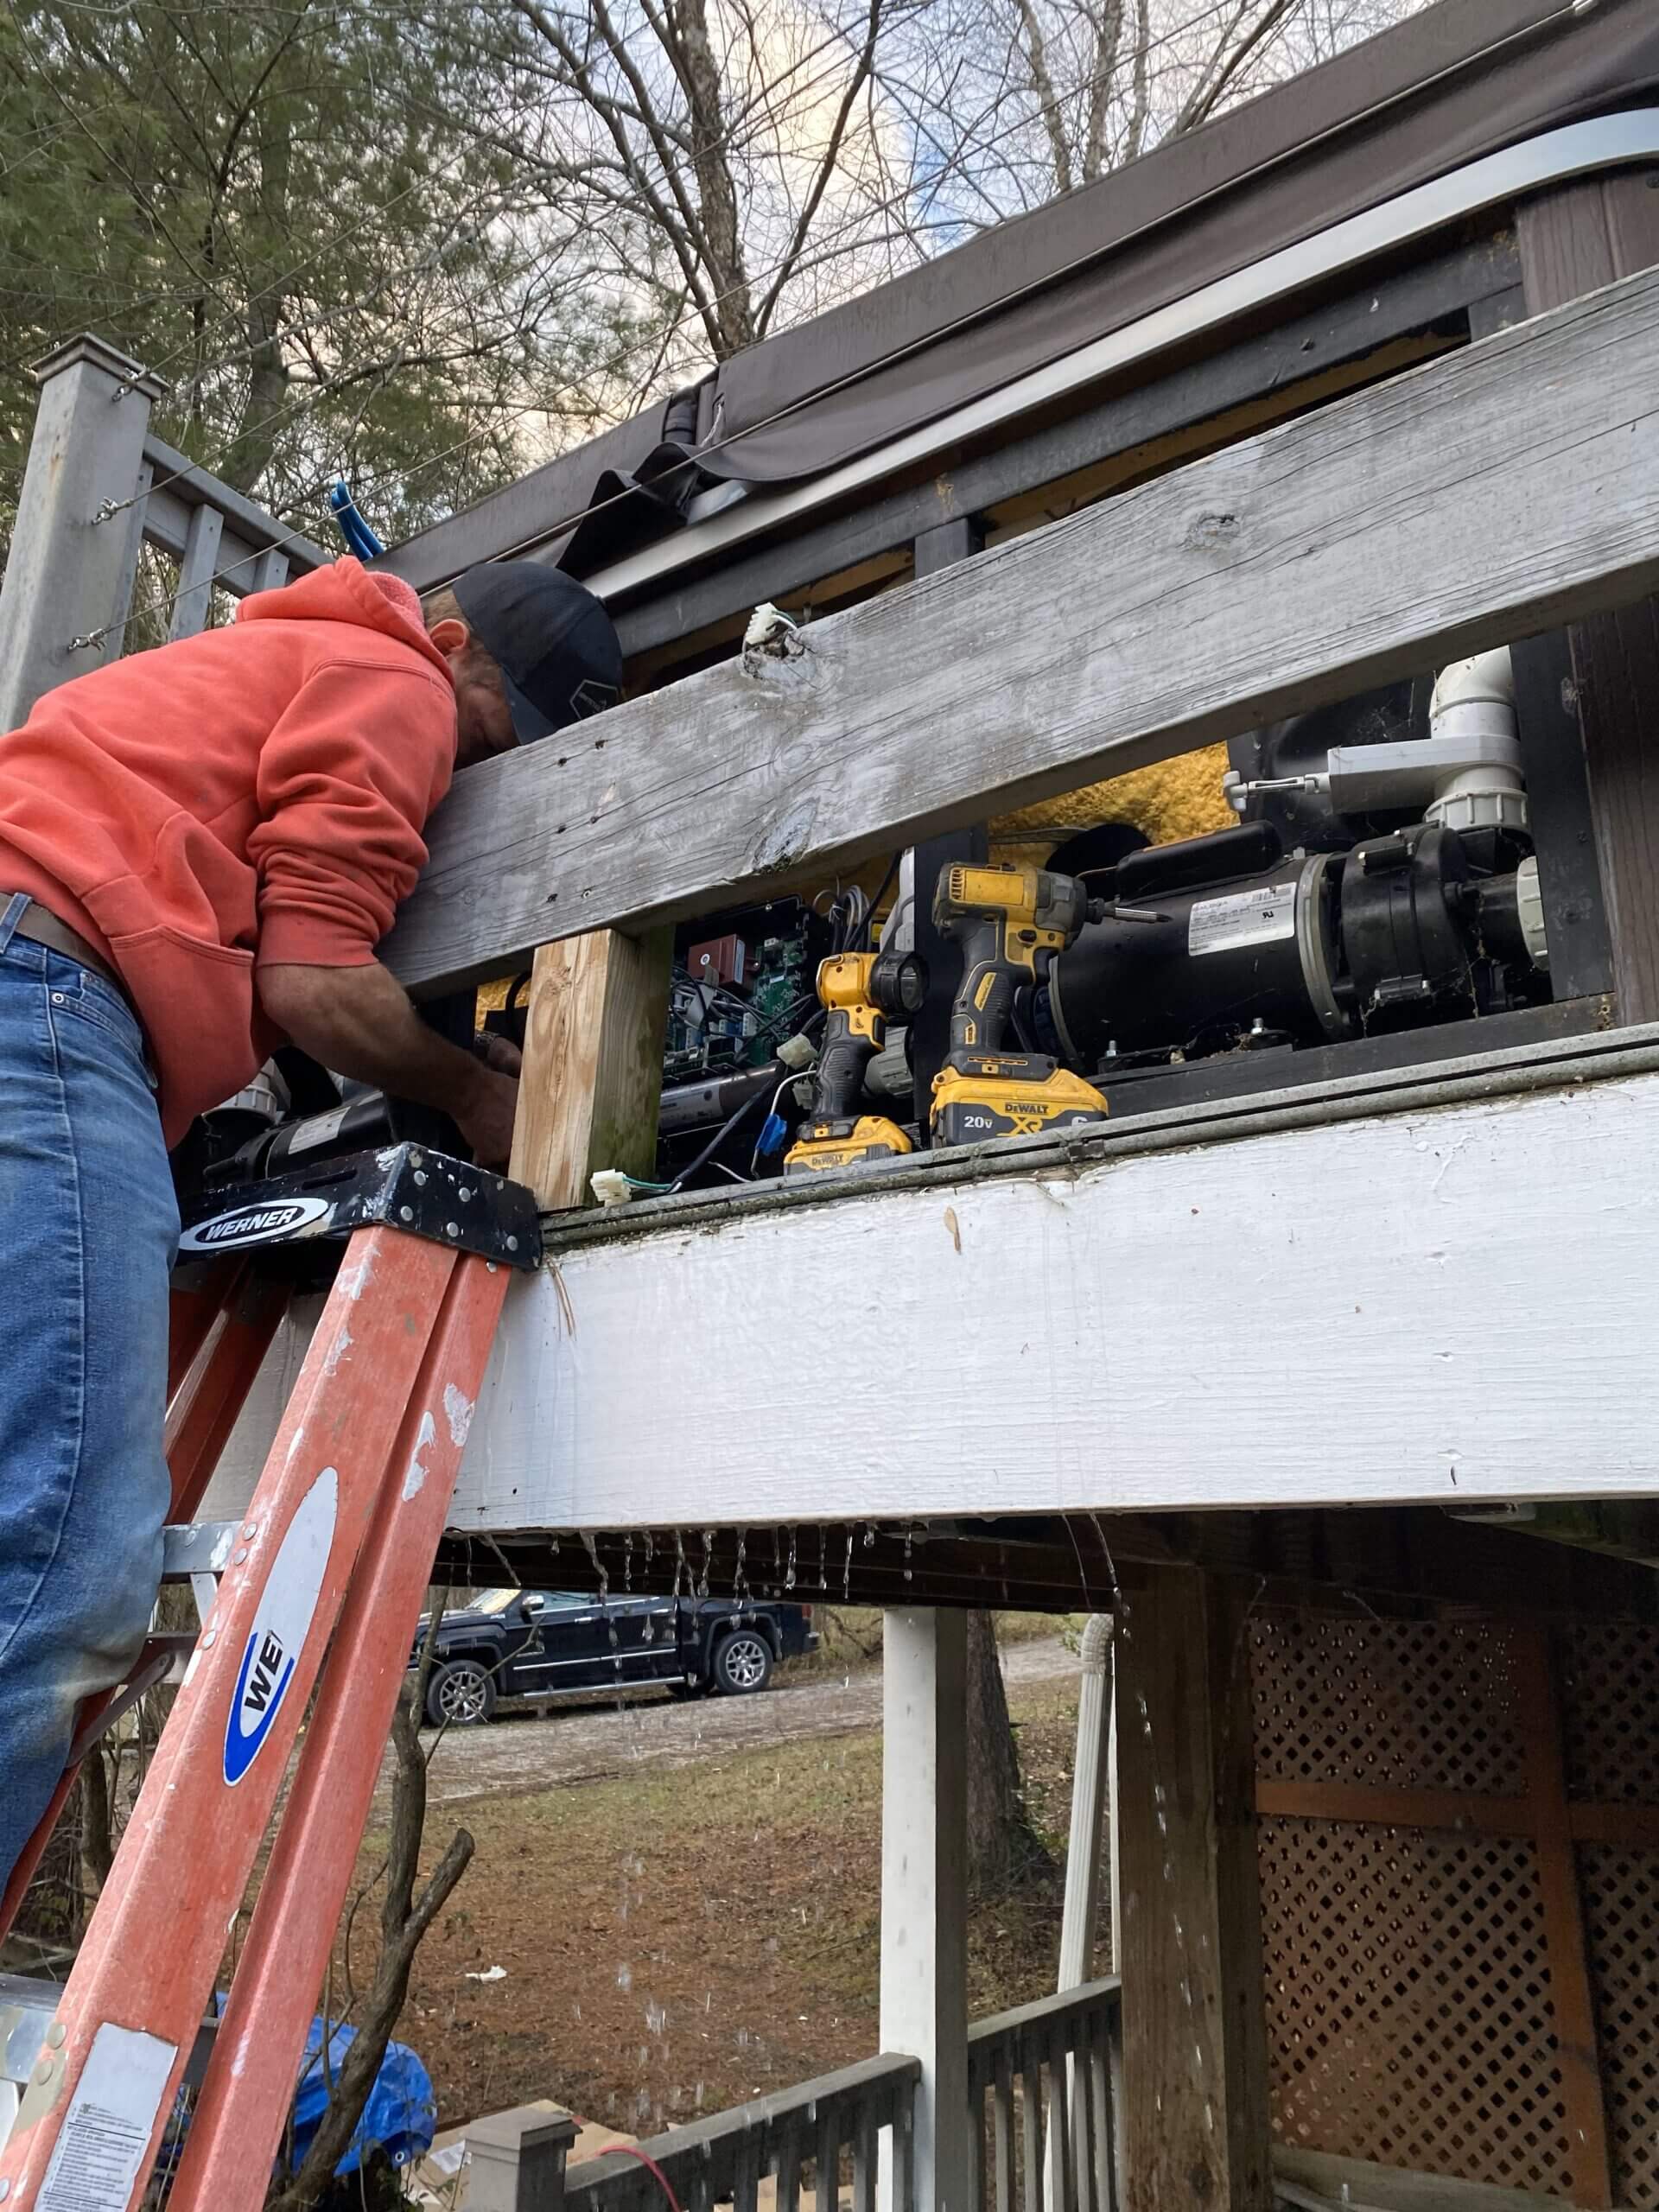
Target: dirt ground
{"x":689,"y":1915}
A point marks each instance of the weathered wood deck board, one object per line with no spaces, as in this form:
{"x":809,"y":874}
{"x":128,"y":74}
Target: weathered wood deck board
{"x":1501,"y":491}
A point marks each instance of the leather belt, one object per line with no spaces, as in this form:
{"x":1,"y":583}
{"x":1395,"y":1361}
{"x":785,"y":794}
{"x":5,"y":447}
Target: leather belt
{"x":42,"y":926}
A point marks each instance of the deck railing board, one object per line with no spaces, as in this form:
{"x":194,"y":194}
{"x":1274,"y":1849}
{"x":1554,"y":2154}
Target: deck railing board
{"x":1039,"y":2125}
{"x":724,"y":2158}
{"x":1499,"y":492}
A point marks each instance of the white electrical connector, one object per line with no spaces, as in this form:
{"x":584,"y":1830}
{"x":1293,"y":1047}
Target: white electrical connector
{"x":768,"y":626}
{"x":797,"y":1052}
{"x":610,"y":1186}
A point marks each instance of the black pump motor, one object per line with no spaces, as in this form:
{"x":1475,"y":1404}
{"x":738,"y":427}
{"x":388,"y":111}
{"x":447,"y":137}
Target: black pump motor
{"x":1230,"y":941}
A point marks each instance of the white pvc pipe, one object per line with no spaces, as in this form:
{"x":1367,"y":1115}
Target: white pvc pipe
{"x":1485,"y":682}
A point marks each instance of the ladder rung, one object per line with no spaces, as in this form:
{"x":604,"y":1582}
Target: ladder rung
{"x":198,"y":1548}
{"x":27,"y":2010}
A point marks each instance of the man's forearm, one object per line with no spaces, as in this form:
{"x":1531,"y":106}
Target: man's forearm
{"x":360,"y":1022}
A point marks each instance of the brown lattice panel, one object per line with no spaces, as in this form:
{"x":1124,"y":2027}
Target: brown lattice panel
{"x":1420,"y":1705}
{"x":1409,"y":2001}
{"x":1609,"y":1718}
{"x":1621,"y":1912}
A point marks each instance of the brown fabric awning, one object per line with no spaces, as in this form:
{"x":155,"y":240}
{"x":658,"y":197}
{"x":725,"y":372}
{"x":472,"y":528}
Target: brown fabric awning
{"x":1464,"y":79}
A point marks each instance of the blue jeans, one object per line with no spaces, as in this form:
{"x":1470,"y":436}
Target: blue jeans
{"x":88,"y":1224}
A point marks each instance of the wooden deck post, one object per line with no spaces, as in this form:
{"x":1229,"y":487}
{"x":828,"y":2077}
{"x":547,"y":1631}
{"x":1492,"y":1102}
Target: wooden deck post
{"x":593,"y":1063}
{"x":66,"y":567}
{"x":1573,"y":240}
{"x":925,"y":1888}
{"x":1187,"y":1917}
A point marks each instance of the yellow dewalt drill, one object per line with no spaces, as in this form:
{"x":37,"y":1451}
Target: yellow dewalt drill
{"x":1010,"y":922}
{"x":859,"y":990}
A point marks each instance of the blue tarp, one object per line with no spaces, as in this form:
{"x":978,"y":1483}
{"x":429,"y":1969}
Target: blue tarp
{"x":399,"y":2117}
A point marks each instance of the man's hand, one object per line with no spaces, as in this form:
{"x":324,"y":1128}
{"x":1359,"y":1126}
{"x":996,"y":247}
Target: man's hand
{"x":486,"y":1119}
{"x":360,"y":1022}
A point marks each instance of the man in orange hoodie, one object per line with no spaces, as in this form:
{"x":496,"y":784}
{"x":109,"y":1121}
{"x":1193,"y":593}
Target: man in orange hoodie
{"x":200,"y":848}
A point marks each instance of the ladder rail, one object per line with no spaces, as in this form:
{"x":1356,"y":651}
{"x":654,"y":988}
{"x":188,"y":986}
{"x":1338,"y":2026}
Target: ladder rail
{"x":204,"y":1400}
{"x":194,"y":1303}
{"x":200,"y":1418}
{"x":238,"y":2124}
{"x":102,"y":2093}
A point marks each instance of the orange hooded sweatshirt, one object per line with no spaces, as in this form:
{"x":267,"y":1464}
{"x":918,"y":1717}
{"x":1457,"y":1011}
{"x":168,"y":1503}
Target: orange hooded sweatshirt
{"x":252,"y":794}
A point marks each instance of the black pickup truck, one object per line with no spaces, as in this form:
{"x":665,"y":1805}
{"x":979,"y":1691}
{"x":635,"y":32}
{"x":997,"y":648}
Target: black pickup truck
{"x":543,"y":1643}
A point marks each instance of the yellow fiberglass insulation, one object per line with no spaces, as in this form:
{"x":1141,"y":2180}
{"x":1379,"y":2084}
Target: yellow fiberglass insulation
{"x":1174,"y":799}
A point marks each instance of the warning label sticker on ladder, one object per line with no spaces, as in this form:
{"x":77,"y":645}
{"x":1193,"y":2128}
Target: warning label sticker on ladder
{"x":1243,"y":917}
{"x":106,"y":2138}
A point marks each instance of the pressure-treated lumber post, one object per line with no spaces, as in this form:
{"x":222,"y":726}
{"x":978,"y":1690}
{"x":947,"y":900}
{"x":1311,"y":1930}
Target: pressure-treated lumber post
{"x":66,"y":569}
{"x":593,"y":1063}
{"x":924,"y":1888}
{"x":1574,"y":240}
{"x":1187,"y":1917}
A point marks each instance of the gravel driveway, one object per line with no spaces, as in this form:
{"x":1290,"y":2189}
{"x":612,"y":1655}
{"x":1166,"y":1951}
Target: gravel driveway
{"x":593,"y":1741}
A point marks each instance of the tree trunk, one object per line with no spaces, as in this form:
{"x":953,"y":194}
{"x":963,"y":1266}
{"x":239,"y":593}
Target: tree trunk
{"x":699,"y":74}
{"x":261,"y":424}
{"x":1002,"y":1848}
{"x":97,"y":1821}
{"x":404,"y":1920}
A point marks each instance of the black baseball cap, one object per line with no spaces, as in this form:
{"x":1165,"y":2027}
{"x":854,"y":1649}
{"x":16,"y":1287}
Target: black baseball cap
{"x":555,"y":644}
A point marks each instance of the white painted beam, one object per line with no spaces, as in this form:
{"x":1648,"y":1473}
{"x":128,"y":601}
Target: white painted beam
{"x":925,"y":1885}
{"x":1437,"y":1303}
{"x":1434,"y":1308}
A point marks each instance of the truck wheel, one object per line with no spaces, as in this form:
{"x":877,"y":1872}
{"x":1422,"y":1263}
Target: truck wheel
{"x":742,"y":1663}
{"x":461,"y":1693}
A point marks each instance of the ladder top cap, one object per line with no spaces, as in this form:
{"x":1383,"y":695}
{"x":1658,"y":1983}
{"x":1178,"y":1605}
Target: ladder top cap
{"x":87,"y":347}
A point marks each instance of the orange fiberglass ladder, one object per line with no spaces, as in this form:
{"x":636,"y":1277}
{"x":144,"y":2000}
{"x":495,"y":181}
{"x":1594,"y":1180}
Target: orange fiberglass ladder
{"x":321,"y":1585}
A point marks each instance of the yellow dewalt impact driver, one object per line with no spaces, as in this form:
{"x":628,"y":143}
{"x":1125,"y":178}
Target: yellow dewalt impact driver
{"x":1010,"y":922}
{"x":859,"y":990}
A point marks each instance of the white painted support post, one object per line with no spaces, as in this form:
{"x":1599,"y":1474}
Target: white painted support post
{"x":1081,"y":1912}
{"x":65,"y":567}
{"x":925,"y":1888}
